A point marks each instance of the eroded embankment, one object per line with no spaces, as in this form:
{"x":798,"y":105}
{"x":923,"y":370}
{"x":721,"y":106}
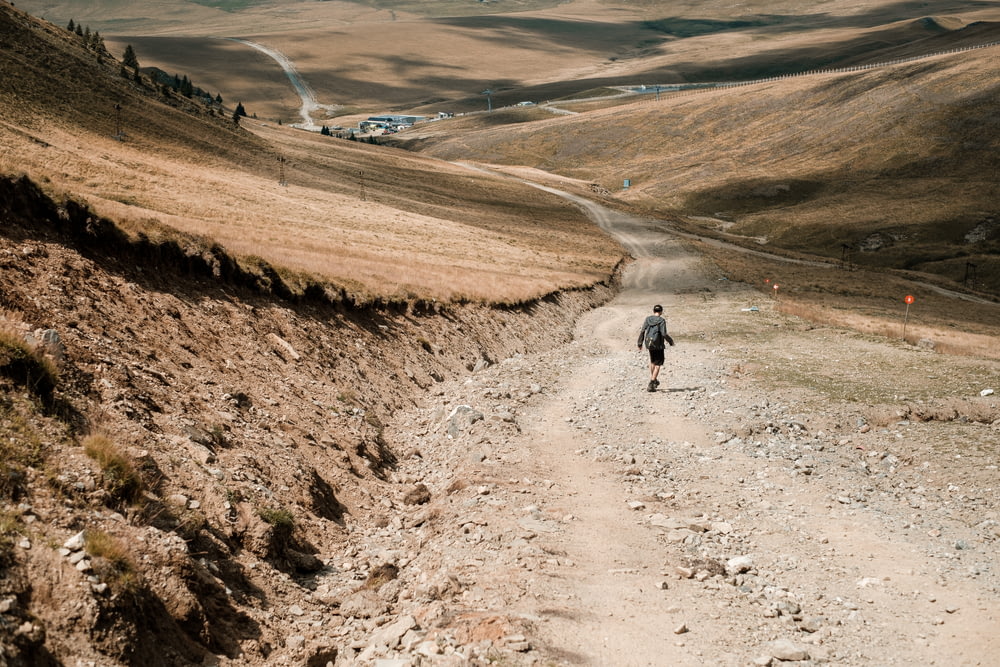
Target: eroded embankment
{"x":240,"y":433}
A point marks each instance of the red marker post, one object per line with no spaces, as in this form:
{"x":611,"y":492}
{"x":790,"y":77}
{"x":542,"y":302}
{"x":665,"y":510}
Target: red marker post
{"x":775,"y":290}
{"x":908,"y":299}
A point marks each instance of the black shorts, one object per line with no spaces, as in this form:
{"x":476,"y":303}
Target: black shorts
{"x":656,"y":357}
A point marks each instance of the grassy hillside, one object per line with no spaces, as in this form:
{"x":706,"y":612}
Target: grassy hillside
{"x":440,"y":55}
{"x":420,"y":229}
{"x":899,"y":163}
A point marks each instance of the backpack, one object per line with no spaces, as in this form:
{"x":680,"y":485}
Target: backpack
{"x":654,"y":335}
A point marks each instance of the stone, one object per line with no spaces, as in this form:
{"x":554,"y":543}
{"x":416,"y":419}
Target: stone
{"x":75,"y":543}
{"x":363,"y":604}
{"x":390,"y":635}
{"x":283,"y":348}
{"x":663,"y":521}
{"x":681,"y":629}
{"x":739,"y":565}
{"x":51,"y":343}
{"x":461,"y":419}
{"x":295,"y":642}
{"x":787,"y":650}
{"x":418,"y":495}
{"x":428,"y":648}
{"x":812,"y":624}
{"x":517,"y":643}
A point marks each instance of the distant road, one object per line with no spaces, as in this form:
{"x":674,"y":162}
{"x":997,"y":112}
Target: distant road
{"x":309,"y":103}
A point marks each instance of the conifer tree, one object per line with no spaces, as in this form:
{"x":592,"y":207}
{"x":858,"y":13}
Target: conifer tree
{"x":71,"y":26}
{"x":129,"y":59}
{"x":79,"y":30}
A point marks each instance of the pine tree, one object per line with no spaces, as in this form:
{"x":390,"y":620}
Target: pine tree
{"x":129,"y":59}
{"x":79,"y":30}
{"x":240,"y":111}
{"x":71,"y":26}
{"x":218,"y":98}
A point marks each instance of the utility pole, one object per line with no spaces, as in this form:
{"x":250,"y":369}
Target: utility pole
{"x":489,"y":99}
{"x":118,"y":135}
{"x":970,"y":272}
{"x":361,"y":178}
{"x":281,"y":170}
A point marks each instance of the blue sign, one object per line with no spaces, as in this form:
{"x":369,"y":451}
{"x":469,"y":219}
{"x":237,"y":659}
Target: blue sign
{"x":628,"y":182}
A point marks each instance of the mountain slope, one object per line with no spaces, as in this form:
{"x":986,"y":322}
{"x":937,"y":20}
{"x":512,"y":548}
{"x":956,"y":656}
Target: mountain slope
{"x":906,"y":154}
{"x":185,"y":168}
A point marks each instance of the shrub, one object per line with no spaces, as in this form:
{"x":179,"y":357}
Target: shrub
{"x":111,"y":561}
{"x":278,"y":517}
{"x":26,"y":364}
{"x":121,"y":480}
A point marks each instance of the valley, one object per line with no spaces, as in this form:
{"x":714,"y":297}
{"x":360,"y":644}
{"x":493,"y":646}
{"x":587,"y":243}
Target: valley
{"x":271,"y":397}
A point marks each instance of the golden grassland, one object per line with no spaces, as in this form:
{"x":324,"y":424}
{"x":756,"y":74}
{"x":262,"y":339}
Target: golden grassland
{"x":421,"y":231}
{"x":808,"y":163}
{"x":871,"y":302}
{"x":389,"y":57}
{"x":414,"y":228}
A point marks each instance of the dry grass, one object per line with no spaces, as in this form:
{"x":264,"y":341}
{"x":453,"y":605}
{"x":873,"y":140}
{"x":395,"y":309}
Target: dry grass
{"x":401,"y":241}
{"x":24,"y":363}
{"x":866,"y":301}
{"x":809,"y":164}
{"x":112,"y":561}
{"x":943,"y":340}
{"x":121,"y":480}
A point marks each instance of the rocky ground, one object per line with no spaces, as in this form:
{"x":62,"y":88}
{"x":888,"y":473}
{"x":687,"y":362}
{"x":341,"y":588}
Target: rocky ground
{"x":790,"y":495}
{"x":421,"y":489}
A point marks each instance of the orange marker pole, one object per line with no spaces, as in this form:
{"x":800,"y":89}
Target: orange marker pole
{"x":906,"y":315}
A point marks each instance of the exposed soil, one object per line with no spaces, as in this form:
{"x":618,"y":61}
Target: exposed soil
{"x":362,"y":487}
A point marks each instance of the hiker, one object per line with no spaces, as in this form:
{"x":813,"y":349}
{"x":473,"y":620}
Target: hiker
{"x":654,"y":334}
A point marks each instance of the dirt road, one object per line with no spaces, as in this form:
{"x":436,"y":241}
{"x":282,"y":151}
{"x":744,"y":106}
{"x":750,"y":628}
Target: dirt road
{"x":751,"y":511}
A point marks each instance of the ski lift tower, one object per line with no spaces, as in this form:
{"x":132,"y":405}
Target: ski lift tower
{"x":489,"y":99}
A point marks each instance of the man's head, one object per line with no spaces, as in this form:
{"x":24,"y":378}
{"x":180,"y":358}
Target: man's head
{"x":657,"y":309}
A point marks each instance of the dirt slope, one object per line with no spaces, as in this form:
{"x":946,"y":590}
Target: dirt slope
{"x":213,"y":443}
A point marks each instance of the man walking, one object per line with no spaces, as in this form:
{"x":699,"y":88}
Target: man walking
{"x":654,"y":334}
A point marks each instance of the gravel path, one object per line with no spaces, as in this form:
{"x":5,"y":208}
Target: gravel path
{"x":774,"y":502}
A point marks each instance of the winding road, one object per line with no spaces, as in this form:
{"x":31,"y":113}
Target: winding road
{"x":305,"y":92}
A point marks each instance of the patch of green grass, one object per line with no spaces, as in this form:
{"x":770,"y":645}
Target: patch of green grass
{"x":279,"y":517}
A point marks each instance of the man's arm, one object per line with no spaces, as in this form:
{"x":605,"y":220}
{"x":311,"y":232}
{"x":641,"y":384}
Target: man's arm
{"x":666,"y":336}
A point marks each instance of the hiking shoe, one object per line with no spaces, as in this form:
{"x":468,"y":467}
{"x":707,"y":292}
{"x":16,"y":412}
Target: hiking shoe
{"x":652,"y":385}
{"x":656,"y":383}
